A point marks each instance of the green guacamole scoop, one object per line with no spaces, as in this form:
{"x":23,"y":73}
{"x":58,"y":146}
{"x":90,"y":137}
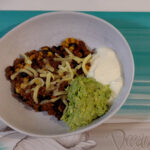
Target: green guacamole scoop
{"x":88,"y":100}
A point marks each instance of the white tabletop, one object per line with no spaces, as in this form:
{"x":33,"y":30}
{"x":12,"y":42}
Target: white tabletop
{"x":91,"y":5}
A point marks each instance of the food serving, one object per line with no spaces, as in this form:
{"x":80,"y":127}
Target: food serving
{"x":64,"y":81}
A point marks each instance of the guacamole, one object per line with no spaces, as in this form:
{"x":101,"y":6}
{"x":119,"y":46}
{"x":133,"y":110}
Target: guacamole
{"x":87,"y":101}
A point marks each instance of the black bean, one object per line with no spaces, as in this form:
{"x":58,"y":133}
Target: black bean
{"x":23,"y":74}
{"x":73,"y":44}
{"x":41,"y":97}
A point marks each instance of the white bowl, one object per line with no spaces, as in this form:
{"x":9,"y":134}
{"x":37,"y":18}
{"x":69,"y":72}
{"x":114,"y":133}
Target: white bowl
{"x":50,"y":29}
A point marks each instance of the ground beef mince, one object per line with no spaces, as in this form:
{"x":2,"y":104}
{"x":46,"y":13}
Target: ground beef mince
{"x":40,"y":77}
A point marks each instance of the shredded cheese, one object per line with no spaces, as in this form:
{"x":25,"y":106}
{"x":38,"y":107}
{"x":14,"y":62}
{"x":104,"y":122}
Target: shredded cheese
{"x":35,"y":93}
{"x":27,"y":69}
{"x":60,"y":72}
{"x":70,"y":70}
{"x":77,"y":59}
{"x":50,"y":101}
{"x":48,"y":78}
{"x":27,"y":59}
{"x":68,"y":51}
{"x":66,"y":78}
{"x":78,"y":67}
{"x":64,"y":99}
{"x":53,"y":80}
{"x":56,"y":93}
{"x":41,"y":71}
{"x":13,"y":76}
{"x":32,"y":70}
{"x":39,"y":83}
{"x":50,"y":68}
{"x":58,"y":55}
{"x":63,"y":69}
{"x":85,"y":62}
{"x":43,"y":75}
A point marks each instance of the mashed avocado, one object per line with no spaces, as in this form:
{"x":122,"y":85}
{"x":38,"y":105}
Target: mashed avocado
{"x":87,"y":101}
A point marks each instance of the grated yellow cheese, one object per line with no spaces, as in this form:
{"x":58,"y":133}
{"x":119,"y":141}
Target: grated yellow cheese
{"x":64,"y":99}
{"x":41,"y":71}
{"x":50,"y":68}
{"x":57,"y":78}
{"x":69,"y":52}
{"x":39,"y":83}
{"x":77,"y":59}
{"x":13,"y":76}
{"x":70,"y":70}
{"x":55,"y":81}
{"x":35,"y":93}
{"x":27,"y":59}
{"x":78,"y":67}
{"x":32,"y":70}
{"x":27,"y":69}
{"x":57,"y":93}
{"x":50,"y":101}
{"x":58,"y":55}
{"x":48,"y":78}
{"x":60,"y":72}
{"x":43,"y":75}
{"x":62,"y":68}
{"x":66,"y":78}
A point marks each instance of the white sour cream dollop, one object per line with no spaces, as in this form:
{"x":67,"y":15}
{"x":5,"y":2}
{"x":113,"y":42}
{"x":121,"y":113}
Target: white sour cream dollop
{"x":106,"y":69}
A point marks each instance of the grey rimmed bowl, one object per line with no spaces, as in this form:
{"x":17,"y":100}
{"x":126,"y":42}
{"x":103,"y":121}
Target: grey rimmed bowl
{"x":50,"y":29}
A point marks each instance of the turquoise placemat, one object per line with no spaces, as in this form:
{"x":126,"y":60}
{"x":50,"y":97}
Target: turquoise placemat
{"x":135,"y":26}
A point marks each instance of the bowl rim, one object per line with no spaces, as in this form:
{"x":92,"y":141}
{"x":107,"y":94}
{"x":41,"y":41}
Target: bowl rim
{"x":114,"y":111}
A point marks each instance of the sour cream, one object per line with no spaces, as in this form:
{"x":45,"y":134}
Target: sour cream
{"x":106,"y":69}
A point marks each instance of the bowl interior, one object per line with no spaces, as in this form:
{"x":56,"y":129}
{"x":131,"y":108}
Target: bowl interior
{"x":50,"y":29}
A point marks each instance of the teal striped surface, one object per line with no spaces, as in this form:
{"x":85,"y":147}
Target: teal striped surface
{"x":135,"y":26}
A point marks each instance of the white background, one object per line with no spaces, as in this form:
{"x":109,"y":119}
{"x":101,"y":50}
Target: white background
{"x":92,"y":5}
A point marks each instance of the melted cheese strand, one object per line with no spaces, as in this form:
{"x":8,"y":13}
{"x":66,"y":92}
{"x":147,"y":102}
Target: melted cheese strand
{"x":13,"y":76}
{"x":84,"y":63}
